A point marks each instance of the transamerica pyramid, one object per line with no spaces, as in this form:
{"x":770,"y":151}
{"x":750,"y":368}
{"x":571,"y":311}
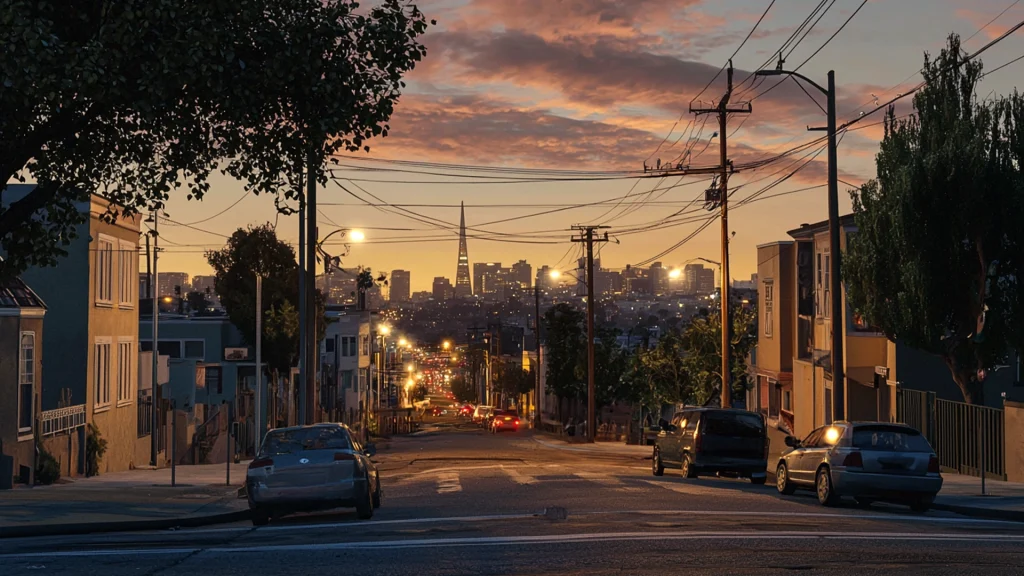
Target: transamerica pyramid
{"x":463,"y":285}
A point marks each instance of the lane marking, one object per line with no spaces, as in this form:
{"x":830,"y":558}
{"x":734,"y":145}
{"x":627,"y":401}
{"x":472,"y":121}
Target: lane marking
{"x":519,"y":477}
{"x":538,"y":539}
{"x":448,"y":483}
{"x":744,"y":513}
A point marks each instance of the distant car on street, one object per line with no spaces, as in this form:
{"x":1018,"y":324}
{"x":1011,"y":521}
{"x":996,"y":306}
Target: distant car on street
{"x":504,"y":421}
{"x":308,"y":468}
{"x":704,"y":441}
{"x":869,"y":461}
{"x":466,"y":411}
{"x":481,"y":414}
{"x":437,"y":411}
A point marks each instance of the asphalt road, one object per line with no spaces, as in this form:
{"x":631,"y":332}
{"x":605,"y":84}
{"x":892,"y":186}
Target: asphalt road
{"x":464,"y":502}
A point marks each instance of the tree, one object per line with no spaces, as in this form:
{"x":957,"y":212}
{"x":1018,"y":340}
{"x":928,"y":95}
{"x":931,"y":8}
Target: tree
{"x":141,"y":98}
{"x":197,"y":301}
{"x":463,"y":389}
{"x":257,"y":250}
{"x":563,"y":325}
{"x":702,"y":360}
{"x":937,"y":253}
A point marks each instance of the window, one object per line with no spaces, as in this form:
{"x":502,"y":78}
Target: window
{"x":348,"y":346}
{"x":213,"y":381}
{"x":769,"y":317}
{"x":194,"y":349}
{"x":128,"y":263}
{"x":101,"y":372}
{"x":827,"y":312}
{"x":366,"y":344}
{"x":26,"y":382}
{"x":125,"y":352}
{"x":889,"y":438}
{"x":295,"y":440}
{"x":812,"y":438}
{"x":787,"y":400}
{"x":329,"y":345}
{"x":741,"y":425}
{"x":104,"y":272}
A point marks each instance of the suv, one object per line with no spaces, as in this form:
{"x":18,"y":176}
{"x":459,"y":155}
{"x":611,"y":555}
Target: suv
{"x":481,"y":414}
{"x":703,"y":441}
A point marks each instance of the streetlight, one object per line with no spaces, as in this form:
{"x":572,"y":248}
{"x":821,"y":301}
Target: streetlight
{"x":403,"y":342}
{"x":838,"y":379}
{"x":446,"y":345}
{"x":383,"y":330}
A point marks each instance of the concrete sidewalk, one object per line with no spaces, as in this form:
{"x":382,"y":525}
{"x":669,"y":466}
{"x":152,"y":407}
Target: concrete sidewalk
{"x":962,"y":494}
{"x":124,"y":501}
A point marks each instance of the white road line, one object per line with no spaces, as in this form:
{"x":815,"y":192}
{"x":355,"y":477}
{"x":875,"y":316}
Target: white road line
{"x":539,"y":539}
{"x":519,"y":477}
{"x":448,"y":483}
{"x":744,"y":513}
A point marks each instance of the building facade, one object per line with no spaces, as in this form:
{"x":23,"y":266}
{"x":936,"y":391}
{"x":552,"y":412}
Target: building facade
{"x":172,"y":284}
{"x":522,"y":274}
{"x":21,"y":335}
{"x":400,"y":285}
{"x":442,"y":289}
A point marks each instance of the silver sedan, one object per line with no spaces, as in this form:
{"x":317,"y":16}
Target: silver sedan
{"x":307,"y":468}
{"x":869,"y":461}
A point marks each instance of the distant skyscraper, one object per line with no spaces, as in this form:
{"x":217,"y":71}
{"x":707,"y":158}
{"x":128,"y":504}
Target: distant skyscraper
{"x":706,"y":282}
{"x":442,"y":288}
{"x":463,"y":285}
{"x":659,"y":278}
{"x":168,"y":281}
{"x":401,"y":286}
{"x":480,"y":269}
{"x":522,"y":274}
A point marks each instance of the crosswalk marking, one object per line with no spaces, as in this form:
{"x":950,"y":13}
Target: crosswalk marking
{"x":518,"y":477}
{"x":448,"y":482}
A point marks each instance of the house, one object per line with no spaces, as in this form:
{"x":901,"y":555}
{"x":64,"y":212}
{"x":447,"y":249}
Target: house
{"x":89,"y":357}
{"x":345,"y":362}
{"x":773,"y":366}
{"x":21,"y":333}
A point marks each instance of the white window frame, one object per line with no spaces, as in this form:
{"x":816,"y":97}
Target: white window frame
{"x":126,"y":350}
{"x":101,"y":367}
{"x":105,"y":271}
{"x":827,"y":287}
{"x":787,"y":401}
{"x":128,"y":266}
{"x":769,"y":308}
{"x":26,"y":376}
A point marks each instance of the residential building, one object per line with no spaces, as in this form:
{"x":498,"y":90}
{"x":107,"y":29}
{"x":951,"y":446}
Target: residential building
{"x":479,"y":270}
{"x":90,"y":357}
{"x":522,"y":274}
{"x":400,"y":285}
{"x":345,"y":362}
{"x":773,"y":390}
{"x":607,"y":282}
{"x":21,"y":336}
{"x":442,"y":289}
{"x":172,"y":284}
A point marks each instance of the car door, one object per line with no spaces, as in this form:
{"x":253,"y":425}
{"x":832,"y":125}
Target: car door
{"x":687,"y":428}
{"x":668,"y":441}
{"x":799,"y":461}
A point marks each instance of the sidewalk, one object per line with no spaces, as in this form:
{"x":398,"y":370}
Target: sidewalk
{"x":962,"y":494}
{"x":131,"y":500}
{"x":616,"y":449}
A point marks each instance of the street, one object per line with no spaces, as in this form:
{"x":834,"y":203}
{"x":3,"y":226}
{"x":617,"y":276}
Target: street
{"x":458,"y":501}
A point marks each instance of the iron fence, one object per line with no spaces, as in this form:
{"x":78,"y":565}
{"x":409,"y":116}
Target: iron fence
{"x":145,"y":417}
{"x":53,"y":422}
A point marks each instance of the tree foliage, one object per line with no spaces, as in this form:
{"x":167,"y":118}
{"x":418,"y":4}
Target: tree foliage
{"x":139,"y":99}
{"x":463,"y":389}
{"x":258,"y":251}
{"x":566,"y":338}
{"x":937,"y":255}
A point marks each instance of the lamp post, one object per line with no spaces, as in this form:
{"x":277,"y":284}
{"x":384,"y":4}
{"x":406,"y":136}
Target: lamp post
{"x":836,"y":285}
{"x":382,"y":365}
{"x":155,"y":355}
{"x":329,"y":261}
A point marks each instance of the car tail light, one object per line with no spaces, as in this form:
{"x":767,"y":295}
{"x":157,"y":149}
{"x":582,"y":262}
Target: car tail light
{"x":933,"y":464}
{"x":854,"y":459}
{"x":497,"y":422}
{"x":343,"y":456}
{"x":517,"y":422}
{"x":260,"y":463}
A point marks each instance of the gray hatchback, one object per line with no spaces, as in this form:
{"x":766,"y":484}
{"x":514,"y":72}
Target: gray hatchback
{"x":307,"y":468}
{"x":718,"y":441}
{"x":868,"y":461}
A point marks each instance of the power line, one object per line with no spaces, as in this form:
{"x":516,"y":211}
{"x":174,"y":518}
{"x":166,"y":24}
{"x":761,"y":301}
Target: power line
{"x":735,"y":52}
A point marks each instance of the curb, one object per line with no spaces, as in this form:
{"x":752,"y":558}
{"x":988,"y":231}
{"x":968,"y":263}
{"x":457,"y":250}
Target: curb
{"x":976,"y":512}
{"x":129,"y":526}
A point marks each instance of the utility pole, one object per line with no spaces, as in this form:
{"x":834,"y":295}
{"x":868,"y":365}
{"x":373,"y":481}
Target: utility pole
{"x":835,"y":282}
{"x":155,"y":355}
{"x":312,"y":345}
{"x":258,"y":412}
{"x":536,"y":337}
{"x":299,"y":410}
{"x":586,"y":235}
{"x":721,"y":199}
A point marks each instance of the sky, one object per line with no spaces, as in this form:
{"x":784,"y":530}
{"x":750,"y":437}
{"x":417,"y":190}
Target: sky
{"x":603,"y":86}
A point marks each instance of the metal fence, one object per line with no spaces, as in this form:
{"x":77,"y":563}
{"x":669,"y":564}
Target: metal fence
{"x":145,"y":417}
{"x":967,"y":438}
{"x":53,"y":422}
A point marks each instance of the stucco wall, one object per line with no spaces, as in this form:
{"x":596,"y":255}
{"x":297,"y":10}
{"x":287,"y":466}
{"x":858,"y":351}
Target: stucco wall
{"x":1014,"y":422}
{"x":803,"y":398}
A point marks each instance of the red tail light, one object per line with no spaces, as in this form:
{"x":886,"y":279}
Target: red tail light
{"x":933,"y":464}
{"x":854,"y":459}
{"x":342,"y":456}
{"x":261,"y":463}
{"x":497,"y":422}
{"x":517,"y":422}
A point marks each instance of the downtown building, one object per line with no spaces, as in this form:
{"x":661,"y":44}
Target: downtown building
{"x":401,"y":286}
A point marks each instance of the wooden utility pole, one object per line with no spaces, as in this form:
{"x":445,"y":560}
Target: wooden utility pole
{"x":587,"y":236}
{"x":721,"y":199}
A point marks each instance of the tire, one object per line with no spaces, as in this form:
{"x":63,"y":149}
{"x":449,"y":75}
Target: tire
{"x":377,"y":495}
{"x":921,"y":505}
{"x":864,"y":502}
{"x":782,"y":482}
{"x":364,"y":504}
{"x":657,"y":466}
{"x":687,"y":467}
{"x":758,"y":480}
{"x":260,"y":516}
{"x":823,"y":487}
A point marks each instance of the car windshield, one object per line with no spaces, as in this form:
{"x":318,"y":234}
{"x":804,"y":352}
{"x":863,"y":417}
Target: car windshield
{"x":890,"y":439}
{"x":298,"y":439}
{"x":734,"y":424}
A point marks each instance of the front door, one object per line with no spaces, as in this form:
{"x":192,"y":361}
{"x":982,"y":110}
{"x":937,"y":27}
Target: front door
{"x":803,"y":458}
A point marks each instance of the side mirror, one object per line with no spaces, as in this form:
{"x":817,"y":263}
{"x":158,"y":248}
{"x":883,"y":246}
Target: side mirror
{"x":792,"y":442}
{"x":370,"y":450}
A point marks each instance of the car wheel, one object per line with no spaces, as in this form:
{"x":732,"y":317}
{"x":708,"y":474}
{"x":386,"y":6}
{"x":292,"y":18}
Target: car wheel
{"x":826,"y":493}
{"x":364,"y":503}
{"x":782,"y":480}
{"x":921,"y":505}
{"x":657,"y":466}
{"x":864,"y":502}
{"x":260,"y":516}
{"x":377,"y":495}
{"x":758,"y":480}
{"x":688,"y":469}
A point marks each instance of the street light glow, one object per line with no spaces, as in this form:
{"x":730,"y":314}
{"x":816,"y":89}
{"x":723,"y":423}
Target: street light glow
{"x":446,"y":345}
{"x":408,"y":368}
{"x":675,"y":273}
{"x":555,"y":274}
{"x":403,"y":342}
{"x":384,"y":329}
{"x":357,"y":236}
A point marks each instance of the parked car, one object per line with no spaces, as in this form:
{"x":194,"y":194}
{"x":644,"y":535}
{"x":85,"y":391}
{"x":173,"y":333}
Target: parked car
{"x":481,"y":414}
{"x":466,"y":411}
{"x":504,"y":421}
{"x":308,"y":468}
{"x":703,"y":441}
{"x":868,"y":461}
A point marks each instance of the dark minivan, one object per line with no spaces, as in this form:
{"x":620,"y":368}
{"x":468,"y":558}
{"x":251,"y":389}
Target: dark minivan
{"x":705,"y":441}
